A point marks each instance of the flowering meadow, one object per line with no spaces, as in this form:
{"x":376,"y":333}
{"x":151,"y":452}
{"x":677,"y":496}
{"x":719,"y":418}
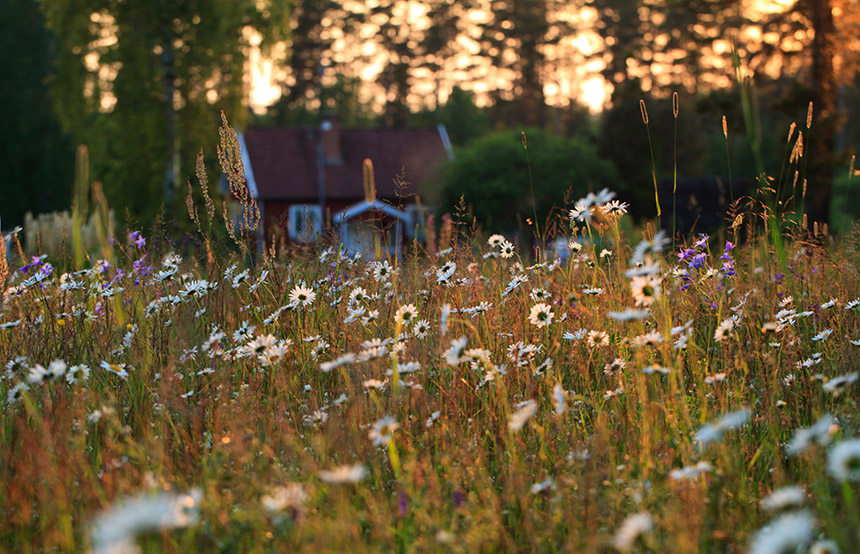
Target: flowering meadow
{"x":629,"y":395}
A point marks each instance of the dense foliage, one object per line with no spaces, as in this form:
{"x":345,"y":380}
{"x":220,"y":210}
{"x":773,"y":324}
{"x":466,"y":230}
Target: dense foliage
{"x":493,"y":175}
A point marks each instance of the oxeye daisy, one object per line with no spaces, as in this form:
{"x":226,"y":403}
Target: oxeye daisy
{"x":838,"y":384}
{"x":445,"y":272}
{"x":77,"y":373}
{"x":539,"y":295}
{"x":645,"y":289}
{"x":713,"y":431}
{"x":724,"y":329}
{"x":383,"y":430}
{"x":650,"y":338}
{"x":631,"y":530}
{"x":597,"y":338}
{"x":273,"y":354}
{"x":371,"y":316}
{"x":455,"y":355}
{"x":507,"y":249}
{"x":541,"y":315}
{"x":823,"y":335}
{"x":615,"y":208}
{"x":787,"y":533}
{"x":382,"y":270}
{"x":525,"y":411}
{"x":843,"y":461}
{"x":689,"y":473}
{"x":580,"y":213}
{"x":259,"y":345}
{"x":358,"y":295}
{"x":344,"y":474}
{"x":406,"y":314}
{"x":302,"y":296}
{"x":496,"y":240}
{"x":422,"y":326}
{"x":243,"y":332}
{"x":784,"y":498}
{"x":116,"y":369}
{"x":824,"y":547}
{"x":37,"y":375}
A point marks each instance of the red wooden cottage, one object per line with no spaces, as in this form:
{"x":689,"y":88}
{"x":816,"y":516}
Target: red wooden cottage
{"x":305,"y":178}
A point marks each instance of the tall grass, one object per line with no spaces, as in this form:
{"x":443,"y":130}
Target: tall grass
{"x":473,"y":465}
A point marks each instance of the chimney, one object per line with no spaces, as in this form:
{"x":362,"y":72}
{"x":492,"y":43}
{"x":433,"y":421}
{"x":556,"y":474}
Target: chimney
{"x":331,"y":139}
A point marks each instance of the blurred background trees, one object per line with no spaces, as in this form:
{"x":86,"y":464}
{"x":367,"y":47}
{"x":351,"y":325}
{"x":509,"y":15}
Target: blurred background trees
{"x":36,"y":158}
{"x":142,"y":82}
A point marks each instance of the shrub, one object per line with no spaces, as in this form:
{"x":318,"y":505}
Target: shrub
{"x":492,"y":175}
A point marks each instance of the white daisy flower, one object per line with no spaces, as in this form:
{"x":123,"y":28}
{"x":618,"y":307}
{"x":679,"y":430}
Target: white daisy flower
{"x":724,"y":329}
{"x":541,"y":315}
{"x":259,"y":345}
{"x":383,"y":430}
{"x":302,"y":296}
{"x":711,"y":432}
{"x":823,"y":335}
{"x":344,"y":359}
{"x":116,"y":369}
{"x":597,"y":338}
{"x":787,"y":533}
{"x":445,"y":272}
{"x":496,"y":240}
{"x":358,"y":295}
{"x":580,"y":213}
{"x":344,"y":474}
{"x":629,"y":314}
{"x":633,"y":527}
{"x":843,"y":460}
{"x":837,"y":385}
{"x":406,"y":314}
{"x":422,"y":327}
{"x":382,"y":271}
{"x":689,"y":473}
{"x":645,"y":289}
{"x":784,"y":498}
{"x":525,"y":411}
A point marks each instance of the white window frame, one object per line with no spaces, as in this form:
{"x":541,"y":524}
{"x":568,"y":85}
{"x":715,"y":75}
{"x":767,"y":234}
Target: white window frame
{"x":304,"y":212}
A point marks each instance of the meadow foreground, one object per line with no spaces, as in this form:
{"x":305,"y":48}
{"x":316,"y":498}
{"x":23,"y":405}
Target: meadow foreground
{"x":632,"y":397}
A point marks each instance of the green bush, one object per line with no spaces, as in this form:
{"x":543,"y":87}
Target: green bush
{"x":492,"y":176}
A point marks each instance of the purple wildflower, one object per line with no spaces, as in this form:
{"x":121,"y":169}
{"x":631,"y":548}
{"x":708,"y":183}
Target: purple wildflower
{"x":34,"y":262}
{"x":698,"y":261}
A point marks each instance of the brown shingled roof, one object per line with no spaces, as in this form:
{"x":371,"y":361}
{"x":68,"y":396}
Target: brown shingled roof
{"x":284,"y":161}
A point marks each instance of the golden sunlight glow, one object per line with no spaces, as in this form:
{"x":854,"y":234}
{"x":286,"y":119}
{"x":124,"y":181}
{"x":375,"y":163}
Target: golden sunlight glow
{"x":574,"y":74}
{"x":757,"y":8}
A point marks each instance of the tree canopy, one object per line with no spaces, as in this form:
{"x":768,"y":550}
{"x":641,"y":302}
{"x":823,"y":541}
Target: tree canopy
{"x":142,"y":83}
{"x":37,"y":158}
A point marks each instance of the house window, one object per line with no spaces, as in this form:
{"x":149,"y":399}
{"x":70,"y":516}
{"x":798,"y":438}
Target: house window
{"x":305,"y":222}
